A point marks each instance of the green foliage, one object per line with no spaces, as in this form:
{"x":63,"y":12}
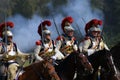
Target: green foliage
{"x":25,"y":7}
{"x":28,"y":8}
{"x":112,"y":40}
{"x":5,"y":9}
{"x":111,"y":10}
{"x":97,"y":4}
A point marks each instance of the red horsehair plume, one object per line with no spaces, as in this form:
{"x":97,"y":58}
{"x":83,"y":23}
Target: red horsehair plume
{"x":90,"y":23}
{"x":69,"y":19}
{"x":43,"y":25}
{"x":96,"y":22}
{"x":8,"y":24}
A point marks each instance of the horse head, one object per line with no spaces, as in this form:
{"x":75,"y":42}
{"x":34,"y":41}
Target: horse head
{"x":108,"y":62}
{"x":85,"y":63}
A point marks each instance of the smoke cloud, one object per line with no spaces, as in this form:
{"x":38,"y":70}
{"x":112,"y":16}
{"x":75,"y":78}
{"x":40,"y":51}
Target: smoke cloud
{"x":25,"y":30}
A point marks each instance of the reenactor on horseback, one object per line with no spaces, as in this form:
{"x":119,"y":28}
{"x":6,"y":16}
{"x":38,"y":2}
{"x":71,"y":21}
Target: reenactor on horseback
{"x":93,"y":40}
{"x":93,"y":43}
{"x":46,"y":50}
{"x":8,"y":53}
{"x":67,"y":43}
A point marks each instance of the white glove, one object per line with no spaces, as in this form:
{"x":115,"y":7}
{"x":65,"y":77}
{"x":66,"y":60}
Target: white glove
{"x":75,"y":47}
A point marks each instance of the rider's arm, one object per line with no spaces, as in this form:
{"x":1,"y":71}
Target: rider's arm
{"x":58,"y":54}
{"x":75,"y":47}
{"x":59,"y":42}
{"x":1,"y":52}
{"x":85,"y":45}
{"x":23,"y":56}
{"x":103,"y":45}
{"x":37,"y":51}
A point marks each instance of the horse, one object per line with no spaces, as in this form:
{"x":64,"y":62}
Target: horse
{"x":42,"y":70}
{"x":74,"y":63}
{"x":4,"y":64}
{"x":103,"y":59}
{"x":116,"y":56}
{"x":3,"y":70}
{"x":65,"y":69}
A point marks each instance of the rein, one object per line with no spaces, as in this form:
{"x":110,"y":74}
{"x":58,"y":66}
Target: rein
{"x":75,"y":62}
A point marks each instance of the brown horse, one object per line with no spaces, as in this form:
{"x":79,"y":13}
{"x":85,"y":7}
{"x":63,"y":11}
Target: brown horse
{"x":66,"y":69}
{"x":39,"y":71}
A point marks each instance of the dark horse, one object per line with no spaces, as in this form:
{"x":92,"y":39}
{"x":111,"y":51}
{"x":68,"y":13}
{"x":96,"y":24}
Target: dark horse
{"x":102,"y":58}
{"x":115,"y":51}
{"x":74,"y":62}
{"x":66,"y":69}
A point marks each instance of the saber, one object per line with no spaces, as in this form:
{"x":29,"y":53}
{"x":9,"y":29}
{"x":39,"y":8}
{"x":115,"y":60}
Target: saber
{"x":83,"y":20}
{"x":6,"y":28}
{"x":55,"y":25}
{"x":42,"y":38}
{"x":79,"y":29}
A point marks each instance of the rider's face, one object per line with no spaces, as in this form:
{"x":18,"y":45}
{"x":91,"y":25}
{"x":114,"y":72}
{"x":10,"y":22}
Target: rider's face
{"x":99,"y":34}
{"x":95,"y":33}
{"x":70,"y":33}
{"x":47,"y":36}
{"x":9,"y":38}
